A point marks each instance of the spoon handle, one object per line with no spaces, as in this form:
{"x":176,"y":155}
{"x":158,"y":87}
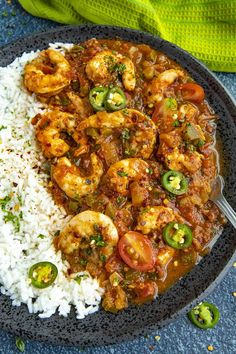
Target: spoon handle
{"x":226,"y":209}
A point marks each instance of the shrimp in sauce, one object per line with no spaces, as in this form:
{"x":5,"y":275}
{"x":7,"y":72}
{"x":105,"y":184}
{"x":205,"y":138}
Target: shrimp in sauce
{"x":133,"y":164}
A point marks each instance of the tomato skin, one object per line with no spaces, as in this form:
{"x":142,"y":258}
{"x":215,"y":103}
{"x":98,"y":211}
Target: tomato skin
{"x":143,"y":258}
{"x":192,"y":92}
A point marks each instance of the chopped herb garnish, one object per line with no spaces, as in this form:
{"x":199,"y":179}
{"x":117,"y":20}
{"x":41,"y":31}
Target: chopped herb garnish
{"x":4,"y":14}
{"x":144,"y":210}
{"x":129,"y":152}
{"x":121,"y":199}
{"x":125,"y":134}
{"x":57,"y":233}
{"x":41,"y":236}
{"x":122,"y":174}
{"x":10,"y":217}
{"x":20,"y":344}
{"x":83,"y":262}
{"x":149,"y":170}
{"x":103,"y":257}
{"x":171,"y":103}
{"x":200,"y":143}
{"x":176,"y":123}
{"x":98,"y":240}
{"x":120,"y":68}
{"x":125,"y":111}
{"x":2,"y":127}
{"x":19,"y":197}
{"x":80,"y":277}
{"x":4,"y":201}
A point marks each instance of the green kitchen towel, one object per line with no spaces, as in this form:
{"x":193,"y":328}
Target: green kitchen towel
{"x":205,"y":28}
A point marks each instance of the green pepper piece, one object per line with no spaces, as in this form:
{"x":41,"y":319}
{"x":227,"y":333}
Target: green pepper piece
{"x":175,"y":182}
{"x":43,"y":274}
{"x":97,"y":97}
{"x":115,"y":99}
{"x":204,"y":315}
{"x":177,"y":236}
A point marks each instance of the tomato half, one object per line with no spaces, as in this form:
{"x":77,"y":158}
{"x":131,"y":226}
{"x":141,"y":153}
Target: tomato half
{"x":192,"y":92}
{"x":136,"y":251}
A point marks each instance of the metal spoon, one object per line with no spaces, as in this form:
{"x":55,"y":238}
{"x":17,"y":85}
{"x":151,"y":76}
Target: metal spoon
{"x":218,"y":198}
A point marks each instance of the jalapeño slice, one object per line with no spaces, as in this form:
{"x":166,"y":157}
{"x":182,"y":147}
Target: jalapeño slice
{"x":115,"y":99}
{"x":204,"y":315}
{"x":174,"y":182}
{"x":177,"y":236}
{"x":43,"y":274}
{"x":97,"y":97}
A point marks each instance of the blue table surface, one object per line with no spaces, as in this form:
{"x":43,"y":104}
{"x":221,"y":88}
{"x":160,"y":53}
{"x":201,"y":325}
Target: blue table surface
{"x":179,"y":337}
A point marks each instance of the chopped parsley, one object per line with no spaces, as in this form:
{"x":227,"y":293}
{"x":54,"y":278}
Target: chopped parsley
{"x":98,"y":240}
{"x":200,"y":143}
{"x":130,"y":152}
{"x":83,"y":262}
{"x":2,"y":127}
{"x":41,"y":236}
{"x":79,"y":278}
{"x":149,"y":170}
{"x":103,"y":257}
{"x":176,"y":123}
{"x":4,"y":202}
{"x":119,"y":68}
{"x":14,"y":219}
{"x":122,"y":174}
{"x":121,"y":199}
{"x":19,"y":197}
{"x":125,"y":135}
{"x":171,"y":103}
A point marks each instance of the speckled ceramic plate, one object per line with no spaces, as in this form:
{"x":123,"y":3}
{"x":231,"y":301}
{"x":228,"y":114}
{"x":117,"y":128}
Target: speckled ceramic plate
{"x":105,"y":328}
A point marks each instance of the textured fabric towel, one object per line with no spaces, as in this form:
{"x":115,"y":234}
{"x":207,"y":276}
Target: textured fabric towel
{"x":205,"y":28}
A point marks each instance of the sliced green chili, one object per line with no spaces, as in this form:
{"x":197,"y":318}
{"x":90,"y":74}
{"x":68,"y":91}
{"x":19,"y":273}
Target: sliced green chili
{"x":115,"y":99}
{"x":97,"y":97}
{"x":43,"y":274}
{"x":175,"y":182}
{"x":204,"y":315}
{"x":177,"y":235}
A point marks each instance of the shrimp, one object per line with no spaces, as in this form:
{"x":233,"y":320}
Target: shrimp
{"x":82,"y":227}
{"x":99,"y":69}
{"x":154,"y":218}
{"x":69,"y":179}
{"x":155,"y":90}
{"x":141,"y":140}
{"x":41,"y":78}
{"x":123,"y":172}
{"x":48,"y":131}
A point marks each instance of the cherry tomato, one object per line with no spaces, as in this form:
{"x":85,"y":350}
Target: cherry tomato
{"x":192,"y":92}
{"x":136,"y":251}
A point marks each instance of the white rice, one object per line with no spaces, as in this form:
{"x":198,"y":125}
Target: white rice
{"x":23,"y":179}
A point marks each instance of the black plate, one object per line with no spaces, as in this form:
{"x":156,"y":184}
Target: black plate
{"x":105,"y":328}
